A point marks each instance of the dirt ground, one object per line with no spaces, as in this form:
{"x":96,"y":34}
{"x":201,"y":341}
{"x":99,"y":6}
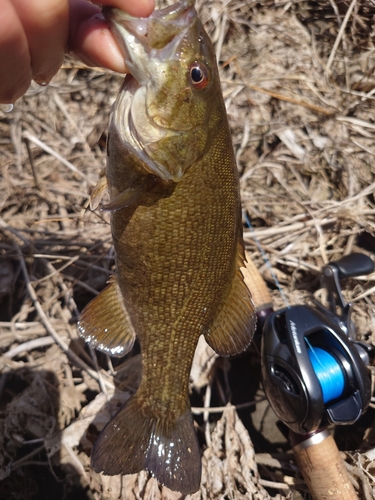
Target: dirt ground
{"x":298,"y":82}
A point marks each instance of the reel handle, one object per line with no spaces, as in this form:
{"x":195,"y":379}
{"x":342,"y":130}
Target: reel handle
{"x":355,"y":264}
{"x":349,"y":266}
{"x":323,"y":469}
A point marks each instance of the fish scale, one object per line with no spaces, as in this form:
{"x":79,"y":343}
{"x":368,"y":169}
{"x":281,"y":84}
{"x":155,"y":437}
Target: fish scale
{"x":177,"y":234}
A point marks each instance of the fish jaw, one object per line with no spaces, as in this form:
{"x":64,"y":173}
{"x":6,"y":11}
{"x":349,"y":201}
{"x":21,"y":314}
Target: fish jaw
{"x":158,"y":113}
{"x":142,"y":39}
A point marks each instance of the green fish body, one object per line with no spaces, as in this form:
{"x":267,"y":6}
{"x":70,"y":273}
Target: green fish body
{"x":177,"y":234}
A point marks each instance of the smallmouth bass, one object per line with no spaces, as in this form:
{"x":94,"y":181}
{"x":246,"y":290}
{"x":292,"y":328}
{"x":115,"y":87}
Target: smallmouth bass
{"x":177,"y":233}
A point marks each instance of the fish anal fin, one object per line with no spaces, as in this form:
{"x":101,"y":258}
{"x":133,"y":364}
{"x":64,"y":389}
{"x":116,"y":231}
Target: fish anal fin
{"x":234,"y":324}
{"x":105,"y":323}
{"x":133,"y":441}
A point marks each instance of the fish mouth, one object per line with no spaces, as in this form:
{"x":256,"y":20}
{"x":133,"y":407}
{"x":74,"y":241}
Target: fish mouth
{"x":160,"y":33}
{"x":146,"y":43}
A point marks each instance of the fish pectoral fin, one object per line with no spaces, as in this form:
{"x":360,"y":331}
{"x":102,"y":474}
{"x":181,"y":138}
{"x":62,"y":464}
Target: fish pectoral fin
{"x":133,"y":441}
{"x":234,"y":324}
{"x":105,"y":323}
{"x":98,"y":191}
{"x":124,"y":199}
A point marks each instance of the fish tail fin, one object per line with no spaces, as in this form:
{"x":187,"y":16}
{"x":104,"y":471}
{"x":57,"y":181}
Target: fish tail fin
{"x":132,"y":441}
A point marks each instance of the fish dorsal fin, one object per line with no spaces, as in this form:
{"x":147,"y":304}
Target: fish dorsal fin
{"x":105,"y":322}
{"x":234,"y":324}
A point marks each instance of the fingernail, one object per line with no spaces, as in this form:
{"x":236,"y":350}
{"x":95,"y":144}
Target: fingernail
{"x":6,"y":108}
{"x":42,"y":80}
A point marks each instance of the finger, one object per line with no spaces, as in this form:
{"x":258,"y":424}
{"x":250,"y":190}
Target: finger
{"x":90,"y":38}
{"x":14,"y":55}
{"x":137,"y":8}
{"x":46,"y":25}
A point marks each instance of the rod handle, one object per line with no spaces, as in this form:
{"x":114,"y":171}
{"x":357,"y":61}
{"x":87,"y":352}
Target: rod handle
{"x":323,"y":469}
{"x":257,"y":286}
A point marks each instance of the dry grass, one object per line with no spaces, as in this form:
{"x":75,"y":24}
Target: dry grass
{"x":298,"y":81}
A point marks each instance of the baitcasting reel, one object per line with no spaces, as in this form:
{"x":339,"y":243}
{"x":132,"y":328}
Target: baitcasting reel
{"x":314,"y":370}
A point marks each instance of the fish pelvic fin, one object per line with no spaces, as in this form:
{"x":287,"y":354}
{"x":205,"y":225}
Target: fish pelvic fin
{"x":235,"y":321}
{"x":105,"y":322}
{"x":132,"y":441}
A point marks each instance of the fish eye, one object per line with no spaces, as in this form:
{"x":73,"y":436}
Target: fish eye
{"x":198,"y":75}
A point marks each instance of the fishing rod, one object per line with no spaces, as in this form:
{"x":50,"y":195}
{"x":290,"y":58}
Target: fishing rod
{"x":314,"y":373}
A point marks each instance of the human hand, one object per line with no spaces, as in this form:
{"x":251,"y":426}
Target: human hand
{"x":35,"y":36}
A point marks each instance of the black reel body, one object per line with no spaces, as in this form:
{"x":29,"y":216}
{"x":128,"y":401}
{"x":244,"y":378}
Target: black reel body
{"x":290,"y":380}
{"x":313,"y":372}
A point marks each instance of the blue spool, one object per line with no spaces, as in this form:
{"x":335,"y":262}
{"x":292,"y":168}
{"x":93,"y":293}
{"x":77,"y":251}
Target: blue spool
{"x":329,"y":373}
